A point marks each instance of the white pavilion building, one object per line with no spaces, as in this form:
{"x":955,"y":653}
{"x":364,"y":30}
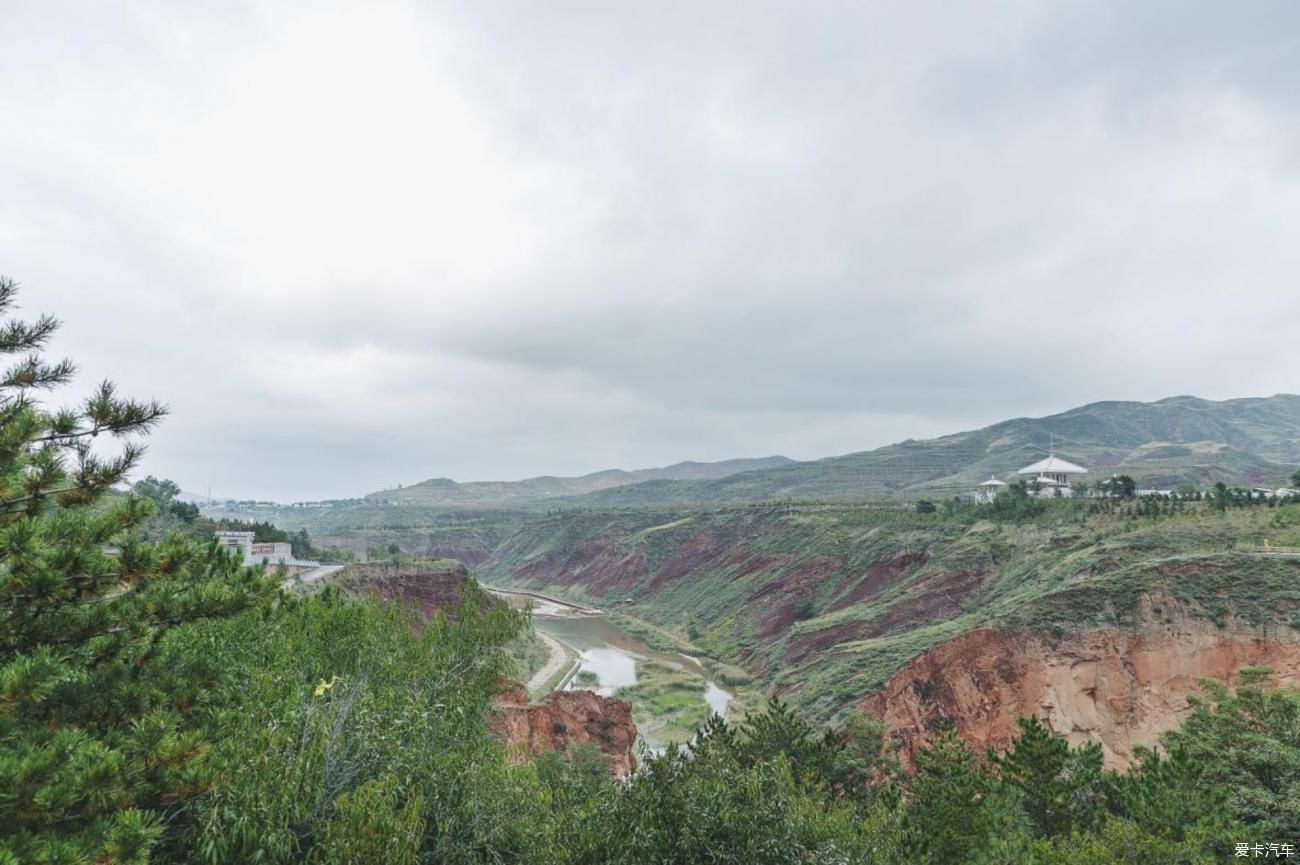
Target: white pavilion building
{"x":986,"y":492}
{"x":1052,"y":476}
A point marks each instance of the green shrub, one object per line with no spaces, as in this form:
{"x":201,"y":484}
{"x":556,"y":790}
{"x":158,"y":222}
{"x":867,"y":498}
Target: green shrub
{"x":372,"y":826}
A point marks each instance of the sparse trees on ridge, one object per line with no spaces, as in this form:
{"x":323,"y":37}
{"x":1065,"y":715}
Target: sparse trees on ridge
{"x":1119,"y":486}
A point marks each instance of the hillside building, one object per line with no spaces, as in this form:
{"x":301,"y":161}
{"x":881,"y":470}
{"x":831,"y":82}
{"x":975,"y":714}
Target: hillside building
{"x":253,"y":553}
{"x":1052,"y":476}
{"x":986,"y":492}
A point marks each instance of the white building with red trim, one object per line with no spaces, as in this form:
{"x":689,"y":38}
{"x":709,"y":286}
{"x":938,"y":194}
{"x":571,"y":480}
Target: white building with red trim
{"x":253,"y":553}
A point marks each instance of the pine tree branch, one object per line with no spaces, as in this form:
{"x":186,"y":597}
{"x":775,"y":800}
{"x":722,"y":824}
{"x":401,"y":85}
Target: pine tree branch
{"x":6,"y":503}
{"x":16,"y":336}
{"x":32,"y":373}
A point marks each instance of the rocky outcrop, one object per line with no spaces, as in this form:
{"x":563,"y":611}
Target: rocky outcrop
{"x":1121,"y":688}
{"x":564,"y":720}
{"x":429,"y":587}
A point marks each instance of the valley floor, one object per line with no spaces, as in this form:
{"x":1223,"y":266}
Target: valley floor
{"x":825,"y":605}
{"x":555,"y":673}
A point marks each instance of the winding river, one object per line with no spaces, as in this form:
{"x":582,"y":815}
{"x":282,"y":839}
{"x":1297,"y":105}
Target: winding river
{"x":619,"y":660}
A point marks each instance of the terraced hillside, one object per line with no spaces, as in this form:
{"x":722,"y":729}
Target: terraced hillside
{"x":1180,"y":440}
{"x":826,"y":603}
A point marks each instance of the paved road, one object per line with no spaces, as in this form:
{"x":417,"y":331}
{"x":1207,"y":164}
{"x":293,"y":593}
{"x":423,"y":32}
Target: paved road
{"x":306,"y":578}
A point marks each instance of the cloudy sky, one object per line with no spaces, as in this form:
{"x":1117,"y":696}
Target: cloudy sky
{"x":358,"y":244}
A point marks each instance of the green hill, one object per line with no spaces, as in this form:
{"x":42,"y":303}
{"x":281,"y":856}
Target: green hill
{"x":444,"y":492}
{"x":1166,"y":443}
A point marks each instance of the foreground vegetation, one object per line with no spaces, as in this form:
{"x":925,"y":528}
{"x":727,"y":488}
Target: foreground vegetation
{"x":160,"y":703}
{"x":326,"y":730}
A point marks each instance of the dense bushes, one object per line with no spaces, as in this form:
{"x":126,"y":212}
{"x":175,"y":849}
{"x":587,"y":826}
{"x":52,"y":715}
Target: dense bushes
{"x":776,"y":790}
{"x":1247,"y":746}
{"x":340,"y":702}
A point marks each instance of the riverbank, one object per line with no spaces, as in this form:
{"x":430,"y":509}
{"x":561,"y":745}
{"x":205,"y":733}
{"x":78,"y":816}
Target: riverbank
{"x":561,"y":666}
{"x":672,"y":691}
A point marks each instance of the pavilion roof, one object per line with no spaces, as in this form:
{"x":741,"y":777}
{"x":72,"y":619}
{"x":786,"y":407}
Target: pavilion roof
{"x":1054,"y":465}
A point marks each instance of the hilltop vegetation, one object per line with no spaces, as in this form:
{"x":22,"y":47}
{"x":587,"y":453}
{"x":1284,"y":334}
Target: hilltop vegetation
{"x":171,"y":515}
{"x":468,"y":535}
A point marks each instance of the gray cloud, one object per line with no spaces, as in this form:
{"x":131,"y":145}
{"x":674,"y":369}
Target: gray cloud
{"x":358,"y":244}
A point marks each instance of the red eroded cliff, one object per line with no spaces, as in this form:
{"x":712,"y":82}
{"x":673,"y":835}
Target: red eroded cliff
{"x":429,"y":587}
{"x":564,"y":720}
{"x":1121,"y":688}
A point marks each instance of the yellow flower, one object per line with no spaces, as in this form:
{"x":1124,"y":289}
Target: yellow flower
{"x":325,"y":686}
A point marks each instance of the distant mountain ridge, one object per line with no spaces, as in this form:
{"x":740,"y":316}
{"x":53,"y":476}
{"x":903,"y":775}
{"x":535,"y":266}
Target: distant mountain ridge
{"x":1173,"y":441}
{"x":437,"y":492}
{"x":1166,"y":443}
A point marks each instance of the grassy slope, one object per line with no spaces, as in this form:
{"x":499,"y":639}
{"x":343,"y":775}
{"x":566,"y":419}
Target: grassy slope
{"x":1165,"y":443}
{"x":826,"y":602}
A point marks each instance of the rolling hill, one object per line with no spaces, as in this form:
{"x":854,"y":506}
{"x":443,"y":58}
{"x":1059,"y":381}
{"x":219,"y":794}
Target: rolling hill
{"x":1179,"y":440}
{"x":437,"y":492}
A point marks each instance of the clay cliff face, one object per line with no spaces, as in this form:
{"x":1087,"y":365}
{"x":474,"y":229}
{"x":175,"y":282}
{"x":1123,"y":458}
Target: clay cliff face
{"x":1119,"y":688}
{"x":566,"y":719}
{"x":429,"y":587}
{"x":813,"y":600}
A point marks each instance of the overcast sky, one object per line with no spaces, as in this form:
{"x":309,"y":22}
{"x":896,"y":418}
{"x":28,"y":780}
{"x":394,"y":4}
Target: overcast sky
{"x":366,"y":243}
